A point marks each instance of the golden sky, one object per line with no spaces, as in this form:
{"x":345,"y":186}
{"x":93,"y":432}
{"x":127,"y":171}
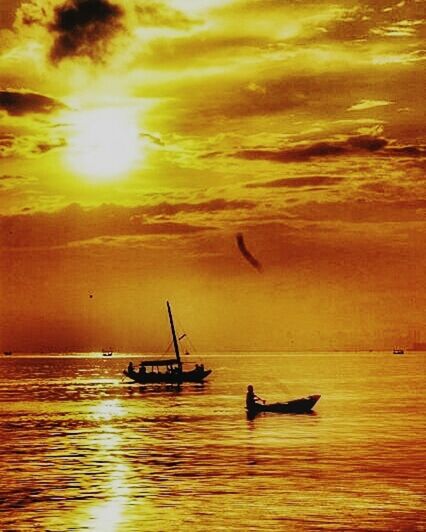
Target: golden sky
{"x":138,"y":138}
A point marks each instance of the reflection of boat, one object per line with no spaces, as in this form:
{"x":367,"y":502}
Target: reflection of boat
{"x":7,"y":353}
{"x":174,"y":373}
{"x":398,"y":351}
{"x":297,"y":406}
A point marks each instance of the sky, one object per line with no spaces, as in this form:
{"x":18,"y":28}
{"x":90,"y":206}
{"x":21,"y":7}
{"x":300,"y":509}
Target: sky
{"x":259,"y":163}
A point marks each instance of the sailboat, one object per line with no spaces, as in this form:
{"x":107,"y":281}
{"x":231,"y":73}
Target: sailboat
{"x":150,"y":373}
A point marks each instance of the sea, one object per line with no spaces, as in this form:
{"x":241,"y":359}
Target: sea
{"x":81,"y":449}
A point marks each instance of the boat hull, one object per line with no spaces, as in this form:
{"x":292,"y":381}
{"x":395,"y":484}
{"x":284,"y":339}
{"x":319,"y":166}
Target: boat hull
{"x":297,"y":406}
{"x":195,"y":375}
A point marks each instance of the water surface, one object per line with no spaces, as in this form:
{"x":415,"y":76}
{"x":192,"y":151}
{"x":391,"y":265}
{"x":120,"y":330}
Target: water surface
{"x":81,"y":450}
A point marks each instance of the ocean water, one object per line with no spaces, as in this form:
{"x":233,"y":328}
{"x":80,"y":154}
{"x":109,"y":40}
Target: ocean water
{"x":82,"y":450}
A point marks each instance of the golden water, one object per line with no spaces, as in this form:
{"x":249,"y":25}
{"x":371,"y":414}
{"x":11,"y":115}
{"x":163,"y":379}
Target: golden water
{"x":80,"y":450}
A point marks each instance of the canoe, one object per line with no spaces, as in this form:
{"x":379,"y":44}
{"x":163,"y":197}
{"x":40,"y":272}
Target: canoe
{"x":297,"y":406}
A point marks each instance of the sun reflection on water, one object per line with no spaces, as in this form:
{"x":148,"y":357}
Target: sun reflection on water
{"x":107,"y":410}
{"x":107,"y":516}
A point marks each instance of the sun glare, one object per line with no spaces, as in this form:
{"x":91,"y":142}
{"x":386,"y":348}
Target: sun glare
{"x":104,"y":144}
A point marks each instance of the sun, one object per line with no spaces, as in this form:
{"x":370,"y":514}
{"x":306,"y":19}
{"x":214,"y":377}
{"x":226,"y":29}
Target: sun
{"x":104,"y":144}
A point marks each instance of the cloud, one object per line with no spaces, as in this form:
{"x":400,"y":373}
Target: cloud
{"x":75,"y":224}
{"x":368,"y":104}
{"x":322,"y":149}
{"x":296,"y":182}
{"x":19,"y":103}
{"x":363,"y":211}
{"x":27,"y":146}
{"x":8,"y":182}
{"x":83,"y":28}
{"x":214,"y":205}
{"x":156,"y":14}
{"x":401,"y":28}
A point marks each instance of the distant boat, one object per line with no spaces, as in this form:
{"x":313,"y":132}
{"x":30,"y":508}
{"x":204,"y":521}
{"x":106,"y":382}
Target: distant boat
{"x":107,"y":352}
{"x":297,"y":406}
{"x":174,"y":373}
{"x":7,"y":353}
{"x":398,"y":351}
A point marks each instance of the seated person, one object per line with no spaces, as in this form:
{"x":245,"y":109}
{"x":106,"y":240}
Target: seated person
{"x":251,"y":398}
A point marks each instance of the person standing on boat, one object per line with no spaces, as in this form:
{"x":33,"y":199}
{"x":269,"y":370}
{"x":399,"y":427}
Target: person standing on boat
{"x":251,"y":398}
{"x":130,"y":368}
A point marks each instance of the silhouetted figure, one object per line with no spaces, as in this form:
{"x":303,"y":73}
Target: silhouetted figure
{"x":142,"y":370}
{"x":130,"y":367}
{"x":252,"y":398}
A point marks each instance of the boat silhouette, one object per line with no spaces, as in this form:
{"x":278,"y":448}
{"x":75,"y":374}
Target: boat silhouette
{"x":296,"y":406}
{"x":150,"y":370}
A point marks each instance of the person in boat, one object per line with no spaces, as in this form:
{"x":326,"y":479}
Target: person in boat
{"x":252,"y":399}
{"x":130,"y":367}
{"x":142,"y":369}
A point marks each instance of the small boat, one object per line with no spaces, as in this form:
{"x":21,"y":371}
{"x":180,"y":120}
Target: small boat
{"x":296,"y":406}
{"x":174,"y":374}
{"x":398,"y":351}
{"x":107,"y":352}
{"x":7,"y":353}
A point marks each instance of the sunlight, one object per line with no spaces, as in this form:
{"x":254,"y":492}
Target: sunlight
{"x":108,"y":409}
{"x":104,"y":143}
{"x":108,"y":515}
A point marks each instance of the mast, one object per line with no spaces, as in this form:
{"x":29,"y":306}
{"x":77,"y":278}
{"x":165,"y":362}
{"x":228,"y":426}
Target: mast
{"x":175,"y":340}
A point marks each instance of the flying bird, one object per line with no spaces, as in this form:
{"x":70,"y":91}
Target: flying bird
{"x":246,"y":253}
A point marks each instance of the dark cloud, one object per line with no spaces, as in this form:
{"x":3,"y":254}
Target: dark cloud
{"x":83,"y":28}
{"x":18,"y":103}
{"x":296,"y":182}
{"x":367,"y":142}
{"x":408,"y":151}
{"x":323,"y":149}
